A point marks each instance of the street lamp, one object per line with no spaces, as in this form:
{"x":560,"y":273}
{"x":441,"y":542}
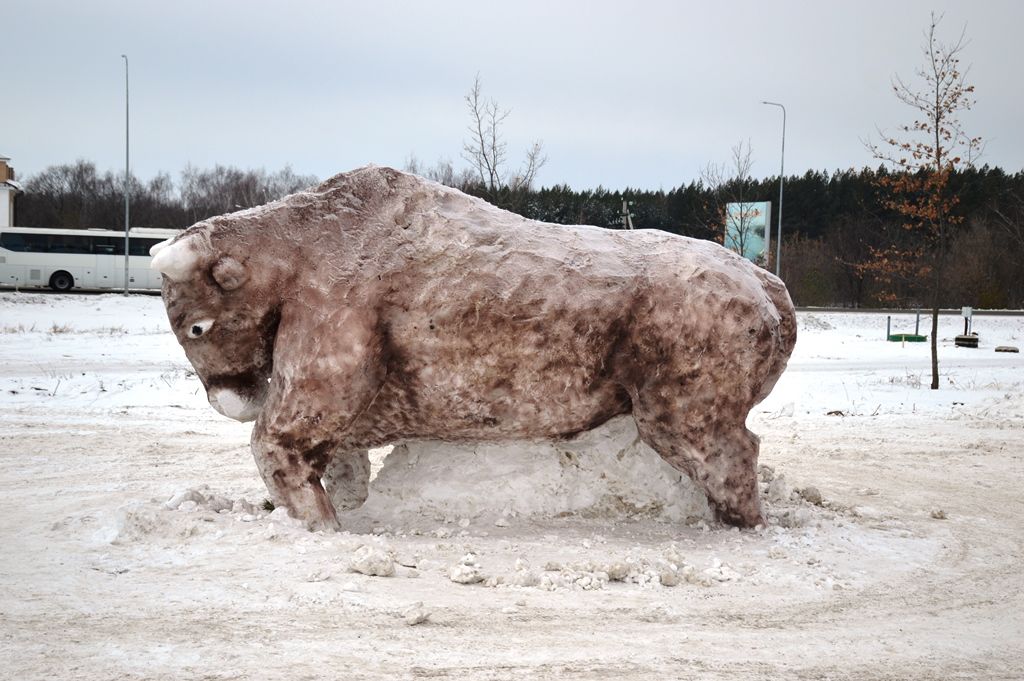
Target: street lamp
{"x":126,"y":180}
{"x":782,"y":170}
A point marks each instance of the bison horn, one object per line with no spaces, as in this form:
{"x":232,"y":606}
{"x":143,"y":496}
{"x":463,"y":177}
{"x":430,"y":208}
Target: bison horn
{"x":159,"y":247}
{"x":175,"y":259}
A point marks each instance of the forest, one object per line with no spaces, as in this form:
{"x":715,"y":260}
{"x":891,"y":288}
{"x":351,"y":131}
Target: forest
{"x":835,"y":225}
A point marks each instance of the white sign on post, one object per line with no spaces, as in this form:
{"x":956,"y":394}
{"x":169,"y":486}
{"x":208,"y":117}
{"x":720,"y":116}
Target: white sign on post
{"x":966,"y":312}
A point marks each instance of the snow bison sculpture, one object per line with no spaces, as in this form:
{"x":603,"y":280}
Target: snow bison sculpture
{"x":379,"y":307}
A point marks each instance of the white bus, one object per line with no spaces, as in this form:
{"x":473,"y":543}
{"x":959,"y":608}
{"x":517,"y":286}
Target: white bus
{"x":65,"y":259}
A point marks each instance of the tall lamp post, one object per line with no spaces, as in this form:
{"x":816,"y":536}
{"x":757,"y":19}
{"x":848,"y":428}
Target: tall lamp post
{"x":782,"y":170}
{"x":126,"y":175}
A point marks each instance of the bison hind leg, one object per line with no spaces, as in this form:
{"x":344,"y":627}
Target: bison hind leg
{"x":721,"y":459}
{"x":346,"y":478}
{"x":731,"y":465}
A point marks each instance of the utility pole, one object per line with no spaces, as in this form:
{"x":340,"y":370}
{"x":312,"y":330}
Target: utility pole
{"x":126,"y":175}
{"x":782,"y":171}
{"x":627,"y":217}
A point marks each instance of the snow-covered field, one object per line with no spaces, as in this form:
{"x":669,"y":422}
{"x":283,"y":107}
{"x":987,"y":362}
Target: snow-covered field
{"x":137,"y":547}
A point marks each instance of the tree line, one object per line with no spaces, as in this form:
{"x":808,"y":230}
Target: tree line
{"x":834,"y":225}
{"x":832,"y":220}
{"x":77,"y":196}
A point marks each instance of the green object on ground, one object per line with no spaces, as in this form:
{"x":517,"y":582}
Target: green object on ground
{"x":908,"y":337}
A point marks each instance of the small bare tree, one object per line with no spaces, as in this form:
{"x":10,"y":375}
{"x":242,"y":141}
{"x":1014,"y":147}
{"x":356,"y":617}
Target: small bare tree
{"x":730,"y":184}
{"x":486,"y":149}
{"x":924,"y":158}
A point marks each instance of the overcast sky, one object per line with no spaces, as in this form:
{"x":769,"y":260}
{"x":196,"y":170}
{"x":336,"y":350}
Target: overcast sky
{"x":639,"y":94}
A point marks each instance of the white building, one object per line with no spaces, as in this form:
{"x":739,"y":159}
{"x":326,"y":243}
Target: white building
{"x":8,"y":189}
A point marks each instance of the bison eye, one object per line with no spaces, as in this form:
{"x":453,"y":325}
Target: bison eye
{"x":199,"y":328}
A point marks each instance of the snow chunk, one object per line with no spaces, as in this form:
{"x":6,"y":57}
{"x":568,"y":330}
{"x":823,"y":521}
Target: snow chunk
{"x":721,"y":572}
{"x":201,"y":497}
{"x":794,"y":517}
{"x":811,"y":495}
{"x":415,"y":614}
{"x":372,"y":560}
{"x":465,"y":574}
{"x":466,"y":571}
{"x":669,"y":576}
{"x":779,"y":489}
{"x":193,"y":495}
{"x":129,"y":523}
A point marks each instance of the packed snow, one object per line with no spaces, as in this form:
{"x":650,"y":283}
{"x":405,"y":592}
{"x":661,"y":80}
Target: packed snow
{"x":140,"y":543}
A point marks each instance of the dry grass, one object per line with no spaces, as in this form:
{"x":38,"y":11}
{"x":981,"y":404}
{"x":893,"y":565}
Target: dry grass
{"x":20,"y":328}
{"x":59,"y":329}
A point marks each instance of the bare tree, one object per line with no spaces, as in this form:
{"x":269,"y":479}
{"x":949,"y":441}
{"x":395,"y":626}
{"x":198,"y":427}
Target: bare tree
{"x":1011,"y":220}
{"x":442,"y":172}
{"x":732,"y":194}
{"x":924,"y":157}
{"x":286,"y":181}
{"x":75,"y":195}
{"x":535,"y":160}
{"x":225,"y":189}
{"x":486,"y":149}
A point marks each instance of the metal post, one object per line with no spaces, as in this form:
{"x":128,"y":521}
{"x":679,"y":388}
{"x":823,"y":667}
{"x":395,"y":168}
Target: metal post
{"x":127,"y":223}
{"x":888,"y":327}
{"x":917,"y":324}
{"x":782,"y":172}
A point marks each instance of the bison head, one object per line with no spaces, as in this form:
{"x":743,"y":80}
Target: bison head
{"x":222,"y":309}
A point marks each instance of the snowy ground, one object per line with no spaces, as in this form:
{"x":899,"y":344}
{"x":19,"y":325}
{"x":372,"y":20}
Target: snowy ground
{"x":137,"y":546}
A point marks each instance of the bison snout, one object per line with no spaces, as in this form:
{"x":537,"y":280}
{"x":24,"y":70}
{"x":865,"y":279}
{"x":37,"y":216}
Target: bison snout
{"x":234,"y":406}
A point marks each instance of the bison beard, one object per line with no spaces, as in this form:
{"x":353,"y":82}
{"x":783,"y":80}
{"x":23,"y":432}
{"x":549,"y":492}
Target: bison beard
{"x":379,"y":307}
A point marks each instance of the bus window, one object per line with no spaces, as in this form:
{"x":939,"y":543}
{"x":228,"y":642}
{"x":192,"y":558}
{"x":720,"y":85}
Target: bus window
{"x":13,"y":241}
{"x":107,"y":245}
{"x":141,"y":246}
{"x":37,"y":243}
{"x":26,"y":243}
{"x":66,"y":243}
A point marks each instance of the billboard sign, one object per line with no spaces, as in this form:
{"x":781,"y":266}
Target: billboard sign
{"x":746,"y":229}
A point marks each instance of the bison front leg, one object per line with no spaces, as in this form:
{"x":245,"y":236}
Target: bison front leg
{"x":347,"y":478}
{"x":325,"y":375}
{"x":291,"y":469}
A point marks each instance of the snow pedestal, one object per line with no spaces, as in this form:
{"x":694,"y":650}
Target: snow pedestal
{"x":606,"y":472}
